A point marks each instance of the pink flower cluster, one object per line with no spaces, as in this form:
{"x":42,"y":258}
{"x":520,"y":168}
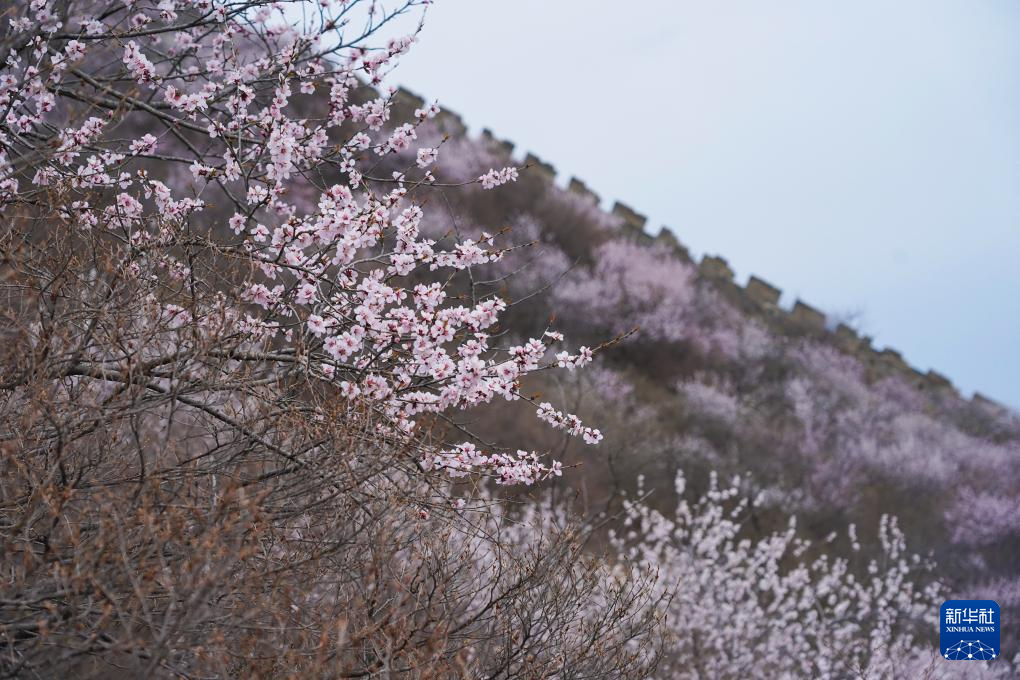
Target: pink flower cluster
{"x":495,"y":178}
{"x":138,"y":64}
{"x":524,"y":467}
{"x":569,"y":422}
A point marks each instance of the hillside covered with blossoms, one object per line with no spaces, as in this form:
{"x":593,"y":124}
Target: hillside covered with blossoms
{"x":705,"y":385}
{"x":301,"y":380}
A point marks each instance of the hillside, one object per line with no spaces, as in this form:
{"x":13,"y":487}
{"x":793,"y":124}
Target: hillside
{"x":298,"y":380}
{"x":718,"y":378}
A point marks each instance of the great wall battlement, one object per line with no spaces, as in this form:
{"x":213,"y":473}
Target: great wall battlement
{"x":756,"y":297}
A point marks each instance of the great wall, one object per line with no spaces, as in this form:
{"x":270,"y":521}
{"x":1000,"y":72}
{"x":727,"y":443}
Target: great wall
{"x":757,"y":297}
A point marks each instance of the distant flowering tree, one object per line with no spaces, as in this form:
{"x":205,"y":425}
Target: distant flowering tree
{"x":632,"y":286}
{"x":850,"y":431}
{"x":778,"y":605}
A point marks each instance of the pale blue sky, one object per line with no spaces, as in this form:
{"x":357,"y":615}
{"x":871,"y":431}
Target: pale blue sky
{"x":863,"y":155}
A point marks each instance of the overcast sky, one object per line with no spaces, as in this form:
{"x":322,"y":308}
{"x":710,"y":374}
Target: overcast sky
{"x":863,"y":155}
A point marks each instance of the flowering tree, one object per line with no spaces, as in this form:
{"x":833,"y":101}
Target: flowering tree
{"x":781,"y":605}
{"x":322,"y":289}
{"x":232,"y":366}
{"x":634,"y":286}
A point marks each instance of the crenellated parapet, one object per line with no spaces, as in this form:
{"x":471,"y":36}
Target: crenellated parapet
{"x":891,"y":362}
{"x":500,"y":145}
{"x":988,"y":403}
{"x":631,"y":218}
{"x":763,"y":293}
{"x":405,"y":97}
{"x":539,"y":167}
{"x":578,"y":187}
{"x":451,"y":123}
{"x":633,"y":222}
{"x":938,"y":382}
{"x":715,"y":268}
{"x":758,"y":296}
{"x":667,"y":239}
{"x":807,"y":317}
{"x":846,"y":338}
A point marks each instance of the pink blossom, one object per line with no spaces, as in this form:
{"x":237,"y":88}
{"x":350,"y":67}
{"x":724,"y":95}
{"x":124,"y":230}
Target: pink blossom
{"x":494,"y":178}
{"x":74,"y":50}
{"x":427,"y":156}
{"x":146,"y":144}
{"x":139,"y":65}
{"x":316,"y":324}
